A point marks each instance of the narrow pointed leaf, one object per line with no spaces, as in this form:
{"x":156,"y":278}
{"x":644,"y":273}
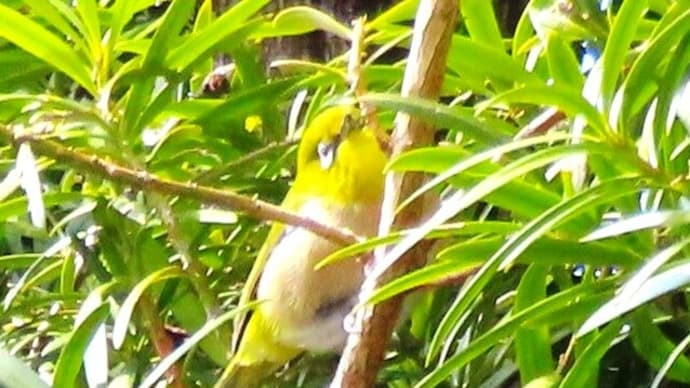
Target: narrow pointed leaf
{"x":33,"y":38}
{"x":127,"y":308}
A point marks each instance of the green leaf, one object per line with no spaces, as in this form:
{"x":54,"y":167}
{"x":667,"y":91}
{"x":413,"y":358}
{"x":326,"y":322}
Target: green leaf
{"x":16,"y":261}
{"x":16,"y":374}
{"x":670,"y":362}
{"x":519,"y":242}
{"x":575,"y":21}
{"x":564,"y":67}
{"x":565,"y":98}
{"x":654,"y":219}
{"x":167,"y":34}
{"x":462,"y":199}
{"x":666,"y":281}
{"x":300,"y":20}
{"x":581,"y":373}
{"x":302,"y":66}
{"x":542,"y":251}
{"x":430,"y":274}
{"x":504,"y":71}
{"x":204,"y":17}
{"x":402,"y":11}
{"x":435,"y":113}
{"x":122,"y":12}
{"x":67,"y":276}
{"x":443,"y":231}
{"x":493,"y":153}
{"x":70,"y":360}
{"x":125,"y":315}
{"x":164,"y":39}
{"x":61,"y":17}
{"x":28,"y":275}
{"x":191,"y":315}
{"x":547,"y":381}
{"x":653,"y":346}
{"x":480,"y":20}
{"x":638,"y":79}
{"x":191,"y":342}
{"x":568,"y":303}
{"x":532,"y":345}
{"x":523,"y":38}
{"x":617,"y":46}
{"x":241,"y":104}
{"x":88,"y":11}
{"x":33,"y":38}
{"x":17,"y":206}
{"x":534,"y":197}
{"x":199,"y":44}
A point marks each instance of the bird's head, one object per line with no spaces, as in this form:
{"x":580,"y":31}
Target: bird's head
{"x":338,"y":153}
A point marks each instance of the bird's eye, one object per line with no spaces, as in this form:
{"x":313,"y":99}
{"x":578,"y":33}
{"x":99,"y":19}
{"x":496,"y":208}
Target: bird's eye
{"x":326,"y":152}
{"x":327,"y":149}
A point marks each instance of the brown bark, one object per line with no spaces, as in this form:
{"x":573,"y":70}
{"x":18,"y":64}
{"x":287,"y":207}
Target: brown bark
{"x":372,"y":326}
{"x":318,"y":45}
{"x":323,"y":46}
{"x":143,"y":180}
{"x":508,"y":13}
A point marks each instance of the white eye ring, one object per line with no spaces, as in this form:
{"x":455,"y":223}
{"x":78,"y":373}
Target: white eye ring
{"x":326,"y":153}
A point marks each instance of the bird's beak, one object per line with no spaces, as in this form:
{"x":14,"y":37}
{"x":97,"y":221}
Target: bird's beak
{"x":327,"y":154}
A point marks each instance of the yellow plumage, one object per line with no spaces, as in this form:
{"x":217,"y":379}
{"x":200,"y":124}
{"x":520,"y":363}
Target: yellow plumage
{"x":339,"y":182}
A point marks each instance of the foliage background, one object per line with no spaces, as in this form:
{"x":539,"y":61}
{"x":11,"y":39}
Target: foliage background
{"x":562,"y":161}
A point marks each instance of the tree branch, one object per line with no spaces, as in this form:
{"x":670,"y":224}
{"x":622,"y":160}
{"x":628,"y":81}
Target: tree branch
{"x":218,"y":172}
{"x":145,"y":181}
{"x":372,"y":326}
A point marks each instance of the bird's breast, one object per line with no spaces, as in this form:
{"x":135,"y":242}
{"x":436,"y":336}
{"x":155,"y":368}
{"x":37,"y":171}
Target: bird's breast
{"x":309,"y":305}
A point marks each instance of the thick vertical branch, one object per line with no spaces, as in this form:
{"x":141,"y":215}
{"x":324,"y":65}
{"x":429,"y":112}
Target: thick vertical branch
{"x":372,"y":325}
{"x":161,"y":341}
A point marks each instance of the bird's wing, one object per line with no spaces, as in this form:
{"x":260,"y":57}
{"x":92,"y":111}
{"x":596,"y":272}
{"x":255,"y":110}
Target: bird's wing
{"x":277,"y":232}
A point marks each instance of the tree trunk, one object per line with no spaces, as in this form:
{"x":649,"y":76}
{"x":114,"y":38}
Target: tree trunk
{"x":322,"y":46}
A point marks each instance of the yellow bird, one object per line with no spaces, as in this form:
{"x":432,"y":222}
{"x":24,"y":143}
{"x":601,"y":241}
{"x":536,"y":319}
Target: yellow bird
{"x":339,"y":182}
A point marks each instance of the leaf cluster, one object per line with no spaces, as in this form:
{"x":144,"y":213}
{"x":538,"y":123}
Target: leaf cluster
{"x":562,"y":169}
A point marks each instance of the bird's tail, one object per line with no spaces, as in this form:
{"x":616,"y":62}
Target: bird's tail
{"x":245,"y":376}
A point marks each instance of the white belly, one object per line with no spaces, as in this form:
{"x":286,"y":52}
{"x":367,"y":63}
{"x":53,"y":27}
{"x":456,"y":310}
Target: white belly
{"x":299,"y":299}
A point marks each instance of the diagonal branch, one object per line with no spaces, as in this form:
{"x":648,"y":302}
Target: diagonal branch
{"x":372,"y":326}
{"x":145,"y":181}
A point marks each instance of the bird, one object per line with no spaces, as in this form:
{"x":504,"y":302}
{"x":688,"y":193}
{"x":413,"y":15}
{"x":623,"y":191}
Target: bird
{"x":339,"y":182}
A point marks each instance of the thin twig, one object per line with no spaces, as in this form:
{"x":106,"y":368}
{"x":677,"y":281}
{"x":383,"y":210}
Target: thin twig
{"x":190,"y":262}
{"x":372,"y":325}
{"x":357,"y":82}
{"x":148,"y":182}
{"x":218,"y":172}
{"x":543,"y":123}
{"x":564,"y":358}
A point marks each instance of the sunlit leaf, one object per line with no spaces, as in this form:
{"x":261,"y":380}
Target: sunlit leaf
{"x":40,"y":42}
{"x":192,"y":341}
{"x":520,"y":241}
{"x":15,"y":373}
{"x":571,"y":301}
{"x":659,"y":284}
{"x":581,"y":372}
{"x":71,"y":357}
{"x":301,"y":20}
{"x":125,"y":314}
{"x":617,"y":44}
